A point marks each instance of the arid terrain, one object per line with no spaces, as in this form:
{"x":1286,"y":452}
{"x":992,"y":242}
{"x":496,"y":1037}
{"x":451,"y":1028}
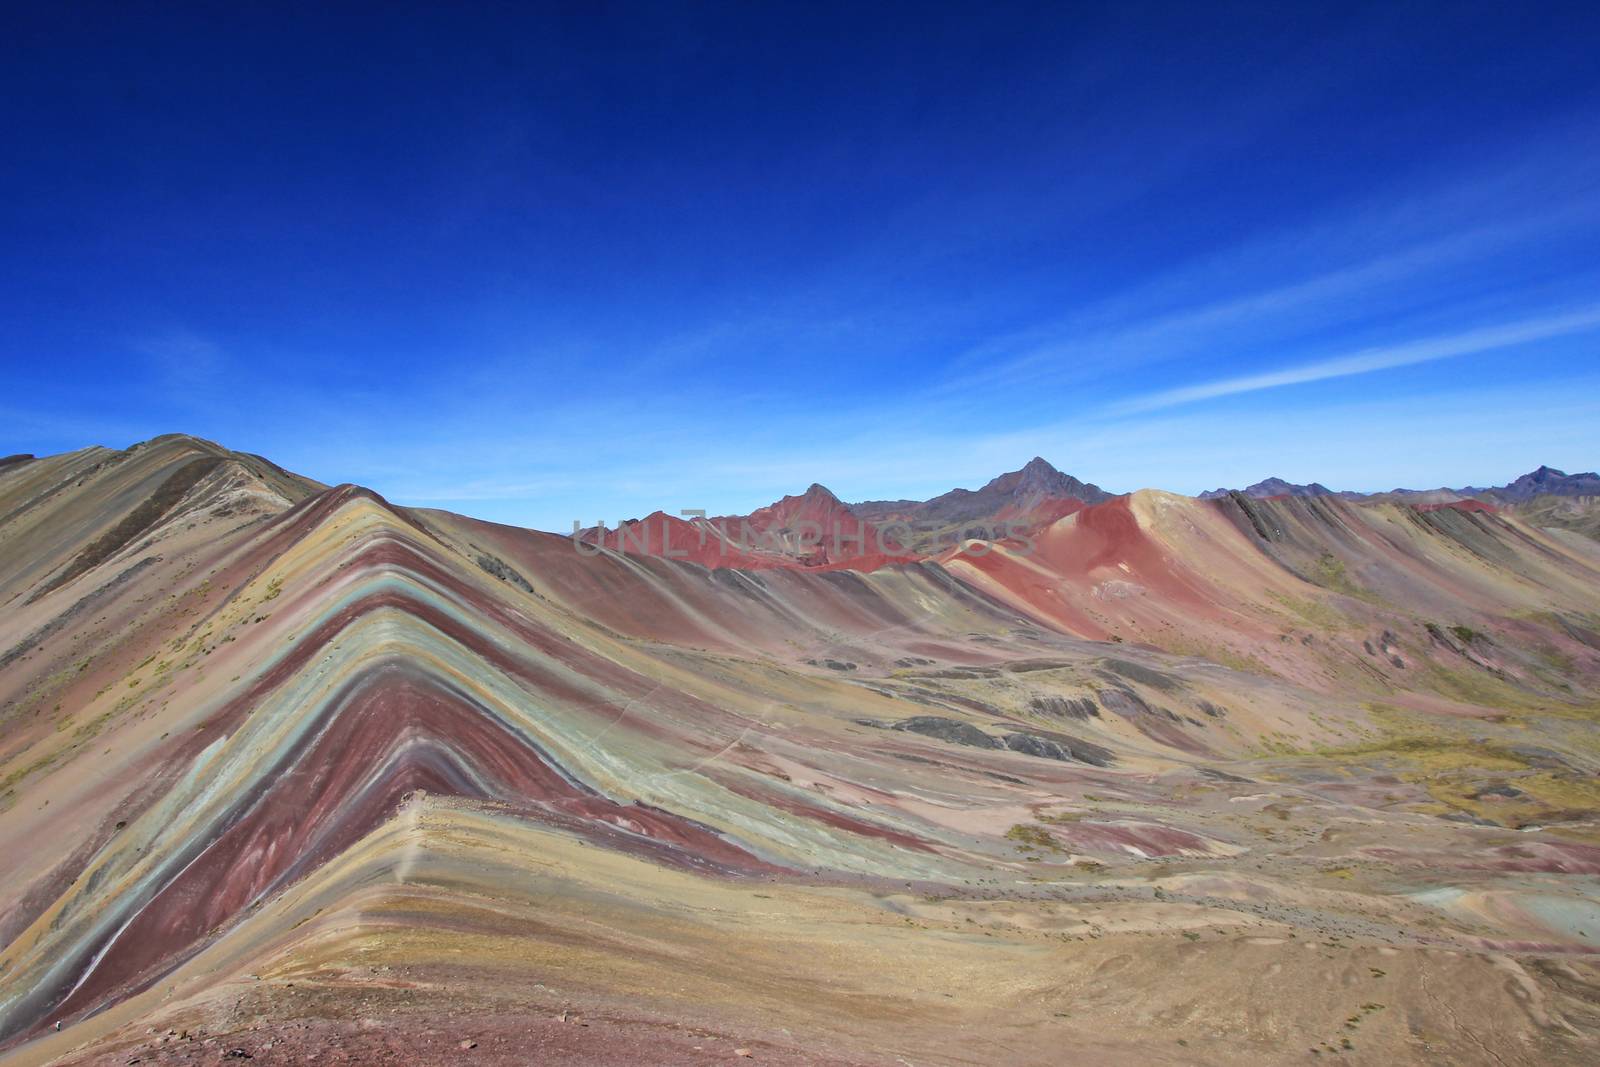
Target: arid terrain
{"x":293,"y":775}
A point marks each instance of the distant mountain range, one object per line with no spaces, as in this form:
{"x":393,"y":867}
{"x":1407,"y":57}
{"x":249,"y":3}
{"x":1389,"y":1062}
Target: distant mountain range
{"x":1272,"y":487}
{"x":1546,"y":481}
{"x":817,"y":530}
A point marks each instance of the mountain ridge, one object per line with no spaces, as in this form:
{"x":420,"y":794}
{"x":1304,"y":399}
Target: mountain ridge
{"x":1543,"y":481}
{"x":276,"y":748}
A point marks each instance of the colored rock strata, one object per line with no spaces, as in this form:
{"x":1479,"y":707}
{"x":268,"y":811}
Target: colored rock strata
{"x":290,"y":773}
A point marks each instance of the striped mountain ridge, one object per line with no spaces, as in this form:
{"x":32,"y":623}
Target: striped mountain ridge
{"x":261,"y":736}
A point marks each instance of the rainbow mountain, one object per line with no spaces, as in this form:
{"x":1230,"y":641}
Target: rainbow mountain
{"x":290,"y":773}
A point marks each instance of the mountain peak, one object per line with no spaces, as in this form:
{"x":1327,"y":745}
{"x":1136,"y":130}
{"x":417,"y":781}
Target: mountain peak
{"x":1274,"y":486}
{"x":1040,"y":477}
{"x":1021,"y":492}
{"x":816,"y":504}
{"x":1548,"y":480}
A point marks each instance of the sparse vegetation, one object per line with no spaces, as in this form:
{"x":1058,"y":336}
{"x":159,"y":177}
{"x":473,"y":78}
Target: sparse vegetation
{"x":1031,"y":838}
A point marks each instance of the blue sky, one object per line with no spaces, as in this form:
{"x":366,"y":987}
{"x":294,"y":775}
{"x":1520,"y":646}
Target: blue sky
{"x":545,"y":263}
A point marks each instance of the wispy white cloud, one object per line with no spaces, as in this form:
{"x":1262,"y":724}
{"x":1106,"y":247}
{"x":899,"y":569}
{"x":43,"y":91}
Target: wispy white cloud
{"x":1392,"y":255}
{"x":1368,"y":360}
{"x":182,"y":356}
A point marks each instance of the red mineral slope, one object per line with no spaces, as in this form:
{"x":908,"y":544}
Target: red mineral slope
{"x":1316,"y":588}
{"x":1089,"y":572}
{"x":813,"y":531}
{"x":820,"y":530}
{"x":1470,"y":504}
